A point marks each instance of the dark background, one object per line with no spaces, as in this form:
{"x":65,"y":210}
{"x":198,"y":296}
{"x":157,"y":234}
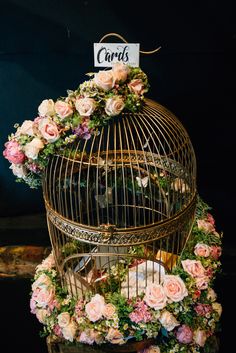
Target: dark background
{"x":46,"y":47}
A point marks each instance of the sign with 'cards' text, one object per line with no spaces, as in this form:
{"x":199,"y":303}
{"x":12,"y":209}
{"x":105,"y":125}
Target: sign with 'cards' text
{"x":106,"y":54}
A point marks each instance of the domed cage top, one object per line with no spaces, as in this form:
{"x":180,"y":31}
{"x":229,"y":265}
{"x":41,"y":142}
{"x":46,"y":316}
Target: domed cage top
{"x":125,"y":197}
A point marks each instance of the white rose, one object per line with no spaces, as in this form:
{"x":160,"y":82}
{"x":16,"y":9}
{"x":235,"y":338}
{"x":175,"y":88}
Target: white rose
{"x":41,"y":315}
{"x":85,"y":106}
{"x":218,"y":308}
{"x":63,"y":319}
{"x":32,"y":148}
{"x":104,"y":80}
{"x":114,"y":106}
{"x":18,"y":170}
{"x":168,"y":320}
{"x":69,"y":331}
{"x":26,"y":128}
{"x":46,"y":108}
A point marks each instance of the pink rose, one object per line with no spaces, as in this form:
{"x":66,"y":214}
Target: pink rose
{"x":57,"y":331}
{"x":174,"y":288}
{"x":33,"y":305}
{"x":215,"y":251}
{"x":114,"y":106}
{"x":63,"y":319}
{"x":42,"y":315}
{"x":69,"y":331}
{"x":210,"y":219}
{"x":44,"y":296}
{"x":63,"y":109}
{"x":199,"y":337}
{"x":206,"y":226}
{"x":32,"y":148}
{"x":115,"y":336}
{"x":201,"y":249}
{"x":184,"y":334}
{"x":168,"y":320}
{"x":202,"y":282}
{"x":26,"y":128}
{"x":19,"y":170}
{"x":47,"y":263}
{"x":155,"y":296}
{"x":137,"y":86}
{"x":13,"y":152}
{"x":42,"y":281}
{"x":193,"y":268}
{"x":108,"y":311}
{"x":94,"y":309}
{"x":120,"y":72}
{"x":46,"y":108}
{"x":85,"y":106}
{"x":104,"y":80}
{"x":86,"y":338}
{"x":48,"y":130}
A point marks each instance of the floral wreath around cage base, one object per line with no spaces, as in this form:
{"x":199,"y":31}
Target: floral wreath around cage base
{"x":181,"y":312}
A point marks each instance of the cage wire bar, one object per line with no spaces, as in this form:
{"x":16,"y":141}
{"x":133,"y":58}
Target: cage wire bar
{"x":125,"y":198}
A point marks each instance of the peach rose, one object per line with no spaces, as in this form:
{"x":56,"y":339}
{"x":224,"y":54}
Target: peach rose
{"x":136,"y":86}
{"x":217,"y":307}
{"x":41,"y":315}
{"x":104,"y":80}
{"x":46,"y":108}
{"x":201,"y":249}
{"x":63,"y":109}
{"x":32,"y":148}
{"x":13,"y":152}
{"x":155,"y":296}
{"x":120,"y":72}
{"x":199,"y":337}
{"x":42,"y":281}
{"x":85,"y":106}
{"x":174,"y":288}
{"x":115,"y":336}
{"x":69,"y":331}
{"x":193,"y":268}
{"x":168,"y":320}
{"x":26,"y":128}
{"x":48,"y":130}
{"x":108,"y":311}
{"x":114,"y":106}
{"x":95,"y":308}
{"x":202,"y":282}
{"x":206,"y":226}
{"x":63,"y":319}
{"x":18,"y":170}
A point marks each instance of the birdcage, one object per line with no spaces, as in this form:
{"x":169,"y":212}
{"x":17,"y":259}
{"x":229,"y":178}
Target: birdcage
{"x":120,"y":205}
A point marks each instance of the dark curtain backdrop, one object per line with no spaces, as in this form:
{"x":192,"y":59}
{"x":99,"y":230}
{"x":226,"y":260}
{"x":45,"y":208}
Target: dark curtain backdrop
{"x":46,"y":47}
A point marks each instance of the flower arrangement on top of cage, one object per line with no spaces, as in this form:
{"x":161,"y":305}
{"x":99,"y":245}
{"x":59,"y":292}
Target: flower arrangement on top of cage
{"x":178,"y":309}
{"x":77,"y":116}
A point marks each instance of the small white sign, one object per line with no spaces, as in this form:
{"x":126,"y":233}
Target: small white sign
{"x":106,"y":54}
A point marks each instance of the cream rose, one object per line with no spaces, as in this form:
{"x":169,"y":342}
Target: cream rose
{"x":69,"y":331}
{"x":137,"y":86}
{"x":18,"y":170}
{"x":63,"y":319}
{"x":85,"y":106}
{"x":193,"y":268}
{"x":46,"y":108}
{"x":168,"y":320}
{"x":202,"y":249}
{"x":63,"y":109}
{"x":211,"y":295}
{"x":104,"y":80}
{"x":32,"y":148}
{"x":114,"y":106}
{"x":155,"y":296}
{"x":109,"y":310}
{"x":41,"y":315}
{"x":26,"y":128}
{"x":115,"y":336}
{"x":174,"y":288}
{"x":94,"y":309}
{"x":120,"y":72}
{"x":48,"y":129}
{"x":199,"y":337}
{"x":42,"y":281}
{"x":218,"y":308}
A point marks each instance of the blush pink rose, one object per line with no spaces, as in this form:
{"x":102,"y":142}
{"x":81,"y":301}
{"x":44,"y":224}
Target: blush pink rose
{"x":63,"y":319}
{"x":69,"y":331}
{"x":85,"y":337}
{"x":206,"y":226}
{"x":115,"y":336}
{"x":85,"y":106}
{"x":114,"y":106}
{"x":63,"y":109}
{"x":48,"y":130}
{"x":201,"y":249}
{"x":44,"y":296}
{"x":94,"y":309}
{"x":13,"y":152}
{"x":104,"y":80}
{"x":42,"y":281}
{"x":109,"y":310}
{"x":42,"y":315}
{"x":202,"y":282}
{"x":120,"y":72}
{"x":137,"y":86}
{"x":155,"y":296}
{"x":32,"y":148}
{"x":174,"y":288}
{"x":216,"y":251}
{"x":184,"y":334}
{"x":46,"y":108}
{"x":26,"y":128}
{"x":194,"y":268}
{"x":199,"y":337}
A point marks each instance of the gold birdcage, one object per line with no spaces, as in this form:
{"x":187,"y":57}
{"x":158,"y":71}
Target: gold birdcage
{"x":120,"y":205}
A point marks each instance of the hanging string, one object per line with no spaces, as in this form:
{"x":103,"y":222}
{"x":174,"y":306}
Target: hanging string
{"x":125,"y":41}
